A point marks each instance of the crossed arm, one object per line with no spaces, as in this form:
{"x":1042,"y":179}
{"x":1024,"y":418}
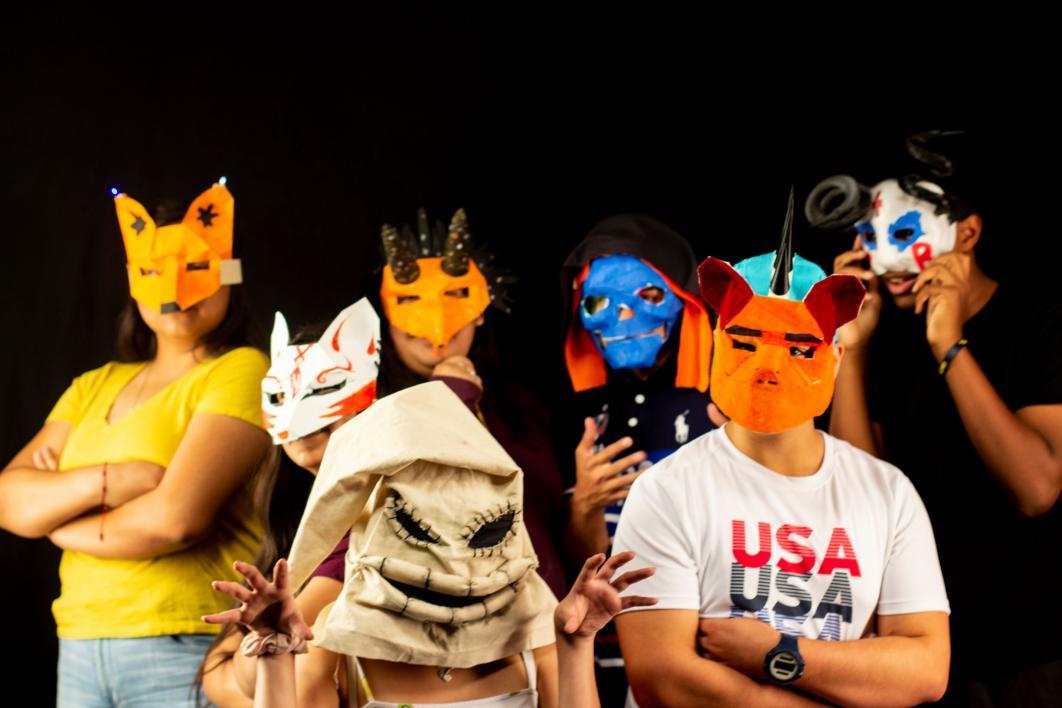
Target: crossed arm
{"x":674,"y":658}
{"x":154,"y":510}
{"x":216,"y":455}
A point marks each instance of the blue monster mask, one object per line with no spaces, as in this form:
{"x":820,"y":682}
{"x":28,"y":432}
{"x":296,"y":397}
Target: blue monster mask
{"x":628,"y":309}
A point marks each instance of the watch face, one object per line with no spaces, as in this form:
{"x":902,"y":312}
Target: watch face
{"x":783,"y":667}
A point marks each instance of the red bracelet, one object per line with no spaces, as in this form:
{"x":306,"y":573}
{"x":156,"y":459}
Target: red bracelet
{"x":103,"y":497}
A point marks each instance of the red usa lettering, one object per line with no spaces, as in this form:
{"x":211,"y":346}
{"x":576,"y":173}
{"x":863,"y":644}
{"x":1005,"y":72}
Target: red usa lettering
{"x":793,"y":541}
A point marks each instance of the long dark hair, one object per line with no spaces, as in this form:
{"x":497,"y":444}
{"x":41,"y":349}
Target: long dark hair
{"x":280,"y":494}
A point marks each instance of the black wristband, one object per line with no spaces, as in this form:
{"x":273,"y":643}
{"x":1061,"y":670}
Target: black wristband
{"x":952,"y":353}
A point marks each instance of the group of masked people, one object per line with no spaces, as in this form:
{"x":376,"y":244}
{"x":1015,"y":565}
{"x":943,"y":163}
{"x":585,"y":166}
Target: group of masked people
{"x":704,"y":542}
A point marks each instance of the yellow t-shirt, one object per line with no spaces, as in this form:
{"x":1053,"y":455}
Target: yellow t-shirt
{"x":103,"y":597}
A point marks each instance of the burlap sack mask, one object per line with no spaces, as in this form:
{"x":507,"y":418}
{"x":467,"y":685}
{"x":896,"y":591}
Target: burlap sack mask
{"x":440,"y":569}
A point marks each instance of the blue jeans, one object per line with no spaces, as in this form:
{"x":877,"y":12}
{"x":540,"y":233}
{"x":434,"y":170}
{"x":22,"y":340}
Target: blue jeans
{"x":130,"y":673}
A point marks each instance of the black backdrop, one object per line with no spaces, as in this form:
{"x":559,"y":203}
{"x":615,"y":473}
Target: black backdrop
{"x":539,"y":123}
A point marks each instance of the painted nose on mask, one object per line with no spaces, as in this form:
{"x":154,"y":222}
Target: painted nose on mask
{"x":765,"y":377}
{"x":768,"y":366}
{"x":625,"y":313}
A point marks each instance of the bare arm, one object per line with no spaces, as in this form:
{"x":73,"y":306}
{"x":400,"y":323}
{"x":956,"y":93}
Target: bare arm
{"x":267,"y":607}
{"x":849,"y":413}
{"x":35,"y":501}
{"x":593,"y":601}
{"x":215,"y":457}
{"x":235,"y":675}
{"x":275,"y":685}
{"x":550,"y":686}
{"x":664,"y":668}
{"x":219,"y":680}
{"x":1023,"y":450}
{"x":317,"y":594}
{"x":36,"y":498}
{"x":906,"y":664}
{"x":598,"y":483}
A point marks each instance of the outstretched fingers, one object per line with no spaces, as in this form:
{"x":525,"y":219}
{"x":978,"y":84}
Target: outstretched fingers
{"x":612,"y":564}
{"x":631,"y":577}
{"x":638,"y":601}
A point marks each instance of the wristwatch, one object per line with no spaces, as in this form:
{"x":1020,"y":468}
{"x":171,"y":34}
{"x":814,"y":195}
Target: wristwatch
{"x":784,"y":664}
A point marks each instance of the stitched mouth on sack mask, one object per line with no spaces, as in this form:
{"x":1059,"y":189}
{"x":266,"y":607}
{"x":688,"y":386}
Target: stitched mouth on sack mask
{"x":434,"y":598}
{"x":447,"y":598}
{"x":660,"y":331}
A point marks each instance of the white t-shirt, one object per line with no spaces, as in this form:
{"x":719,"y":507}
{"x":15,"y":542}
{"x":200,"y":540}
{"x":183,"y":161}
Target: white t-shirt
{"x":813,"y":556}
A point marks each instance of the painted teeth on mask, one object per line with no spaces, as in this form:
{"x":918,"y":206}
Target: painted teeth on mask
{"x":403,"y":571}
{"x":444,"y":598}
{"x":660,"y":331}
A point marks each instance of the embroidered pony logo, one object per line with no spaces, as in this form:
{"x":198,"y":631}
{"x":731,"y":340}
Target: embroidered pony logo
{"x":682,"y":428}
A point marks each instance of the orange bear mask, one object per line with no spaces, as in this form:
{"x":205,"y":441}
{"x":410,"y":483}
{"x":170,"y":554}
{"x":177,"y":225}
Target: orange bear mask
{"x":174,"y":267}
{"x":773,"y":365}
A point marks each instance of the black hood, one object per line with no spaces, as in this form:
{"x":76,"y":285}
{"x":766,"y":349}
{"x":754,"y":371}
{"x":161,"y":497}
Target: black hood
{"x":636,"y":235}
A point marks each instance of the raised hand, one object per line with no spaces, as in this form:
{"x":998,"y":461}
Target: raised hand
{"x":458,"y":367}
{"x":857,"y":332}
{"x":598,"y":480}
{"x":266,"y":606}
{"x":595,"y":597}
{"x":942,"y":290}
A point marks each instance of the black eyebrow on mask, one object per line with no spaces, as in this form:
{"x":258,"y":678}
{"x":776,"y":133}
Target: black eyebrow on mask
{"x":806,"y":338}
{"x":743,"y":331}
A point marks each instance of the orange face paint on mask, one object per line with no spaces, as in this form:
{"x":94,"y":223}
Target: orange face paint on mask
{"x":773,"y":364}
{"x":435,"y":306}
{"x":174,"y":267}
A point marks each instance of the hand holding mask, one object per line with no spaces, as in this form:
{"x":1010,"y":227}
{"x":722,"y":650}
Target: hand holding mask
{"x":942,"y":291}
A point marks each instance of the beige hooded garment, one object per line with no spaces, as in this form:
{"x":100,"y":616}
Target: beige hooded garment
{"x":440,"y":569}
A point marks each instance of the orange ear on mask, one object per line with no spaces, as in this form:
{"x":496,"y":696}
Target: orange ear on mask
{"x":832,"y":302}
{"x":176,"y":266}
{"x":587,"y":369}
{"x":210,"y":216}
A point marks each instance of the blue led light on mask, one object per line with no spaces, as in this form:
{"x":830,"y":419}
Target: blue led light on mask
{"x":619,"y":312}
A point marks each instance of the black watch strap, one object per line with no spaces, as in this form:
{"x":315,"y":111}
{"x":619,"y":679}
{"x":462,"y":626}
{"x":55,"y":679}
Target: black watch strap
{"x":784,"y":664}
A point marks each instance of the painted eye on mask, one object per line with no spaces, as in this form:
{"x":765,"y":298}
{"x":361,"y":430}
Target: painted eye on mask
{"x":198,"y":265}
{"x":906,"y":229}
{"x":867,"y":235}
{"x":275,"y":399}
{"x":493,"y":532}
{"x":459,"y":292}
{"x":743,"y":332}
{"x":408,"y":527}
{"x":324,"y":389}
{"x":652,"y":294}
{"x":592,"y":304}
{"x":404,"y":299}
{"x":148,"y":271}
{"x":805,"y":351}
